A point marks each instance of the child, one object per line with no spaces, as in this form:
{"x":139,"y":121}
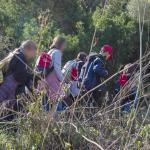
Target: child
{"x":123,"y":80}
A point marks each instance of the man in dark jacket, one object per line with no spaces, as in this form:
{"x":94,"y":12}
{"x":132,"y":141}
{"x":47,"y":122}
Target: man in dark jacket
{"x":95,"y":71}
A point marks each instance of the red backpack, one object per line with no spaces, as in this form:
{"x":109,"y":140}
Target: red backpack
{"x":70,"y":71}
{"x":44,"y":63}
{"x":123,"y":78}
{"x":74,"y":73}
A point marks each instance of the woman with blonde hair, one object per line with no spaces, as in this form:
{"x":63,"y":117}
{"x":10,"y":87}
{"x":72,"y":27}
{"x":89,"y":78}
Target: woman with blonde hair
{"x":15,"y":71}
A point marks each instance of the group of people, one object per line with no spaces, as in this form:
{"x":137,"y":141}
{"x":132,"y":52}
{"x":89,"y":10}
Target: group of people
{"x":79,"y":75}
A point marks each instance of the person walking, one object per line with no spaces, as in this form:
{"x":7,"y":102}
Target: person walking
{"x":71,"y":72}
{"x":55,"y":76}
{"x":95,"y":71}
{"x":15,"y":70}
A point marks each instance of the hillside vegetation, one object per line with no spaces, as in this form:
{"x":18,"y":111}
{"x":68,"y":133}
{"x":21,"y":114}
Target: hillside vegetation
{"x":87,"y":25}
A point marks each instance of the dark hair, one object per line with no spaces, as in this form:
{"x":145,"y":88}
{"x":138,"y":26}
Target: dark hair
{"x":57,"y":42}
{"x":82,"y":56}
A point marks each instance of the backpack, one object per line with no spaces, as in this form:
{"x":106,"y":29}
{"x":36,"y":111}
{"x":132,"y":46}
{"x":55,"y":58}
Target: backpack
{"x":44,"y":63}
{"x":70,"y":71}
{"x":94,"y":73}
{"x":86,"y":66}
{"x":123,"y":78}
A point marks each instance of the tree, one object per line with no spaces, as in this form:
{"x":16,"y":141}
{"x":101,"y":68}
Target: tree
{"x":139,"y":7}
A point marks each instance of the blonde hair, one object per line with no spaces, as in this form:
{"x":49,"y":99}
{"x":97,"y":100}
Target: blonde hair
{"x":8,"y":58}
{"x":57,"y":42}
{"x":26,"y":44}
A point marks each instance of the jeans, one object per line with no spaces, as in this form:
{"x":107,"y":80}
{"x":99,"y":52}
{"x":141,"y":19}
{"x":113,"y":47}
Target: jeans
{"x":61,"y":106}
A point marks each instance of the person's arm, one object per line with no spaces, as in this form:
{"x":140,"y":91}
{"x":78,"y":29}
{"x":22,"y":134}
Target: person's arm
{"x":99,"y":69}
{"x":57,"y":64}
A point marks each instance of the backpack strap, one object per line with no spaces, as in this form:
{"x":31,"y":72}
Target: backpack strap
{"x":50,"y":51}
{"x":76,"y":63}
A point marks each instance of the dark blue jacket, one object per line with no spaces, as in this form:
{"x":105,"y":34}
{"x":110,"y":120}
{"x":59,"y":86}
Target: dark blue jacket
{"x":85,"y":67}
{"x":95,"y":73}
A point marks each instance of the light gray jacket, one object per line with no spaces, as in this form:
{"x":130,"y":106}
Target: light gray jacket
{"x":56,"y":62}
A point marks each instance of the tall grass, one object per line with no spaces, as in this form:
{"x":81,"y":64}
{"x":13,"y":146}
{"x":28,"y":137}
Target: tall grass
{"x":80,"y":126}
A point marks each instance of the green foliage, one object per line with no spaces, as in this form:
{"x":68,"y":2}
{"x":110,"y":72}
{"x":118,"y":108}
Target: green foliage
{"x":42,"y":20}
{"x":116,"y":28}
{"x":76,"y":20}
{"x":140,"y":8}
{"x":31,"y":30}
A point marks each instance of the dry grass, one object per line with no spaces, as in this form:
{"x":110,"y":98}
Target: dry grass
{"x":81,"y":127}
